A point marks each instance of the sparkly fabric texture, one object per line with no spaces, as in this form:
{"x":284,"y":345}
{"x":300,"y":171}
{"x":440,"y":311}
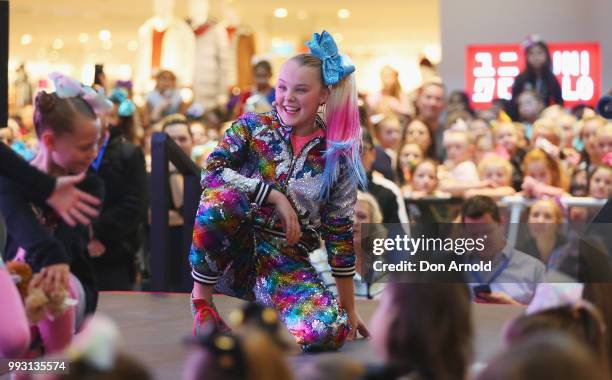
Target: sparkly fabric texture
{"x":241,"y":241}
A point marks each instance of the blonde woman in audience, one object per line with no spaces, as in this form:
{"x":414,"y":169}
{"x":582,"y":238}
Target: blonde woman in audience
{"x":368,"y":211}
{"x":390,"y":99}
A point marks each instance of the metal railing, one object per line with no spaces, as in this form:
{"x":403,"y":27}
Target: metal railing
{"x":517,"y":203}
{"x":164,"y":259}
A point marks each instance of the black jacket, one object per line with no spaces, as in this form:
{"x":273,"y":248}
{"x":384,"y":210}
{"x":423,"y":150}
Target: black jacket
{"x":124,"y":174}
{"x":387,"y":201}
{"x":37,"y":185}
{"x":46,"y":238}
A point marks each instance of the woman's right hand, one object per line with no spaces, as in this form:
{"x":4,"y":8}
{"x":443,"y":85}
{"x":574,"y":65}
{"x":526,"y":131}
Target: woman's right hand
{"x":73,"y":205}
{"x":289,"y":219}
{"x":52,"y":278}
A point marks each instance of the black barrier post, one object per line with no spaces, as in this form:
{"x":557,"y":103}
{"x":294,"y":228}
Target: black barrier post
{"x":159,"y":211}
{"x":163,"y":151}
{"x":191,"y":199}
{"x":4,"y":52}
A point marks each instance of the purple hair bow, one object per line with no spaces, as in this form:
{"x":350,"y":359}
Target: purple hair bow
{"x":66,"y":87}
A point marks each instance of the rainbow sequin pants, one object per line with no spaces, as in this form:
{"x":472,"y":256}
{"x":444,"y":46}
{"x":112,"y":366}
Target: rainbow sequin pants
{"x":243,"y":260}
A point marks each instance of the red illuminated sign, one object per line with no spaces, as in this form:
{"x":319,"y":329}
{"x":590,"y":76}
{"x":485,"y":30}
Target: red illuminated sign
{"x":490,"y":71}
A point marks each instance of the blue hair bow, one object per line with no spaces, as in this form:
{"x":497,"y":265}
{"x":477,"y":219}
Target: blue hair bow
{"x":126,"y":106}
{"x":335,"y":66}
{"x":66,"y":87}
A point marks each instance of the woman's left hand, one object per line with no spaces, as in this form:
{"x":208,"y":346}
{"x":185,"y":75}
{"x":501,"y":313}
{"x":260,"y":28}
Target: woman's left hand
{"x":357,"y":325}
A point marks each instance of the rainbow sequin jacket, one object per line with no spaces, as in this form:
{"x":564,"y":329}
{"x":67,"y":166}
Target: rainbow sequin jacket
{"x":255,"y":156}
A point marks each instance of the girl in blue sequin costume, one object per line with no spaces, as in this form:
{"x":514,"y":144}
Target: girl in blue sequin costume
{"x":275,"y":185}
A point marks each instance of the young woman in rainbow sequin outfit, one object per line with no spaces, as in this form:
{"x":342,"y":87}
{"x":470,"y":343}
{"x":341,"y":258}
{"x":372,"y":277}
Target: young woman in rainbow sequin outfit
{"x":275,"y":185}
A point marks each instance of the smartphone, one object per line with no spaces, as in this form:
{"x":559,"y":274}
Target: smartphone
{"x":481,"y":289}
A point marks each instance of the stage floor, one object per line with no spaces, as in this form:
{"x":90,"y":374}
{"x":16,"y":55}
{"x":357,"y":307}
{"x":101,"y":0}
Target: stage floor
{"x":154,"y":324}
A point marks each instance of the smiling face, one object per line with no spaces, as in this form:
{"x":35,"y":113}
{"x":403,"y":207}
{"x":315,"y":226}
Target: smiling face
{"x":430,"y":102}
{"x":299,"y":92}
{"x":74,"y":152}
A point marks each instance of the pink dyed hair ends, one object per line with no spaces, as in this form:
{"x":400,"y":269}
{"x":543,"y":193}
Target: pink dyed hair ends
{"x":343,"y":133}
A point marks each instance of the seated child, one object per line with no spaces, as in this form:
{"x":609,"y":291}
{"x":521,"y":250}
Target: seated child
{"x":497,"y":172}
{"x":459,"y":172}
{"x":543,"y":176}
{"x":409,"y":155}
{"x":424,"y":181}
{"x":506,"y":140}
{"x":600,"y":183}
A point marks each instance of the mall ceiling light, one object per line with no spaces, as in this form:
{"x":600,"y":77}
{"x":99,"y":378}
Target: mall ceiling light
{"x":83,"y":38}
{"x":104,"y":35}
{"x":58,"y":44}
{"x":26,"y":39}
{"x":344,"y":13}
{"x":281,"y":12}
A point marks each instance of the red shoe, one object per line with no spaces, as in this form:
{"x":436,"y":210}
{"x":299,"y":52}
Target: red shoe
{"x":206,"y":318}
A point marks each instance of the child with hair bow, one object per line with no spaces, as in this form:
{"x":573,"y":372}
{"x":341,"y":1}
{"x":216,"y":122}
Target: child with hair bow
{"x":68,"y":130}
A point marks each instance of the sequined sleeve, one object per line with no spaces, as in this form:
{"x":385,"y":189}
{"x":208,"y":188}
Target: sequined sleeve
{"x":337,"y":225}
{"x":223,"y":165}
